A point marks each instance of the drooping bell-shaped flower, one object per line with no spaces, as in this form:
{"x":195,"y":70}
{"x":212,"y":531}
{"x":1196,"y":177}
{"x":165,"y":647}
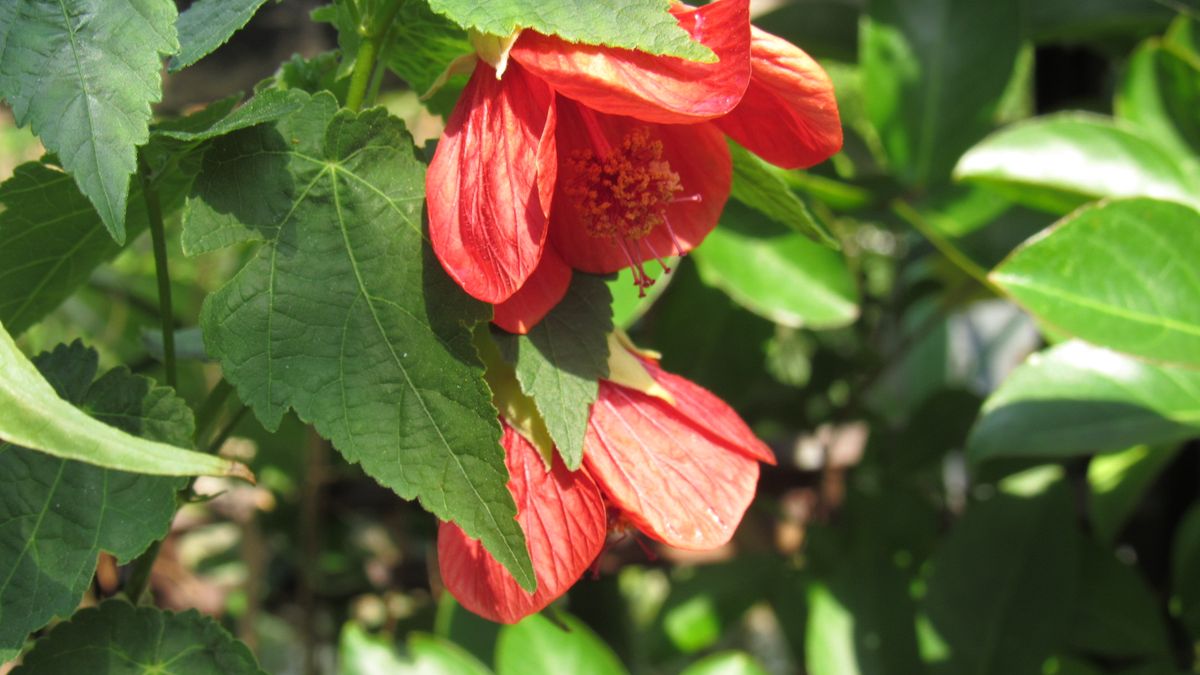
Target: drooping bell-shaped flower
{"x":665,"y":456}
{"x":568,"y":156}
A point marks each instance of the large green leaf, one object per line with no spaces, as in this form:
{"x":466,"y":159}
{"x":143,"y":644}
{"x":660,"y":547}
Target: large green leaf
{"x":777,"y":273}
{"x":1076,"y":399}
{"x":33,"y":415}
{"x":360,"y":653}
{"x":1185,"y":560}
{"x":1058,"y":162}
{"x":117,"y":638}
{"x":1003,"y":583}
{"x":937,"y":71}
{"x":537,"y":646}
{"x":84,"y":73}
{"x":1120,"y":274}
{"x":1160,"y":93}
{"x":345,"y":316}
{"x":560,"y":362}
{"x":633,"y":24}
{"x":208,"y":24}
{"x":57,"y":515}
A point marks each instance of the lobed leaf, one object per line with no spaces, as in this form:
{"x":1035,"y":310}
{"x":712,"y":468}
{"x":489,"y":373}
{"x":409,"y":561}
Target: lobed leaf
{"x":208,"y":24}
{"x":70,"y":69}
{"x":57,"y":515}
{"x":345,"y":316}
{"x":644,"y":25}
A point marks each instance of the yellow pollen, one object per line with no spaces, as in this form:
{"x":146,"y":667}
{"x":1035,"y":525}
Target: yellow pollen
{"x":623,"y":196}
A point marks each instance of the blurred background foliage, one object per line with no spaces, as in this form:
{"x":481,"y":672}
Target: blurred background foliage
{"x":875,"y":546}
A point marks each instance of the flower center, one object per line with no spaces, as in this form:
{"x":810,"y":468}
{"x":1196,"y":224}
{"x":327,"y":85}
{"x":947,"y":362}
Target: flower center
{"x":622,"y":193}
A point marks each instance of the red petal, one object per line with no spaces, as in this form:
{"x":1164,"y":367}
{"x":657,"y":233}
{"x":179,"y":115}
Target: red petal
{"x":490,"y":182}
{"x":708,"y":411}
{"x":563,"y":516}
{"x":652,"y":88}
{"x":664,"y":472}
{"x":789,"y":115}
{"x":697,"y":152}
{"x":529,"y":305}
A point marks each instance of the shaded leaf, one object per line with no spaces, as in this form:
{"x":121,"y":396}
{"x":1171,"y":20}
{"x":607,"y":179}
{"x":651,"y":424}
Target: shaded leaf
{"x":1185,"y":560}
{"x":70,"y":69}
{"x":120,"y":639}
{"x":765,"y":189}
{"x":1160,"y":92}
{"x":1116,"y":613}
{"x":360,"y":653}
{"x":1120,"y":275}
{"x":57,"y":515}
{"x":1118,"y":482}
{"x":345,"y":316}
{"x":1075,"y":399}
{"x":937,"y":71}
{"x":560,"y":362}
{"x":726,"y":663}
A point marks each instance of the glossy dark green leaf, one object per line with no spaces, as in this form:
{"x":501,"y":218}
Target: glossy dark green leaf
{"x":936,"y":71}
{"x":1075,"y":399}
{"x":268,"y":105}
{"x":117,"y":638}
{"x":57,"y":515}
{"x":1185,"y":560}
{"x":633,"y":24}
{"x":1119,"y":275}
{"x":208,"y":24}
{"x":1119,"y":481}
{"x":345,"y":316}
{"x":538,"y":646}
{"x":1116,"y":613}
{"x":560,"y":362}
{"x":1003,"y":581}
{"x":1058,"y":162}
{"x":73,"y":70}
{"x":777,"y":273}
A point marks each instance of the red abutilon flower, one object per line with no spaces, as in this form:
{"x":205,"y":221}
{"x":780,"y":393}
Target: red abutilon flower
{"x":561,"y":156}
{"x":677,"y":463}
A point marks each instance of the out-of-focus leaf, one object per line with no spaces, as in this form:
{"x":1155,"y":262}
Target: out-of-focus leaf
{"x":1160,"y":93}
{"x":1003,"y":583}
{"x":629,"y":304}
{"x":189,"y":344}
{"x":1058,"y":162}
{"x":208,"y":24}
{"x":644,"y":25}
{"x":707,"y":601}
{"x":363,"y":654}
{"x":1120,"y":275}
{"x":57,"y":515}
{"x":936,"y":71}
{"x":560,"y":362}
{"x":1119,"y":481}
{"x":466,"y":629}
{"x":1185,"y":560}
{"x":980,"y":224}
{"x":1068,"y":20}
{"x":1116,"y":613}
{"x":1075,"y":399}
{"x":537,"y":646}
{"x":824,"y":28}
{"x":776,"y":273}
{"x":725,"y":663}
{"x":345,"y":315}
{"x":118,"y":638}
{"x":83,"y":73}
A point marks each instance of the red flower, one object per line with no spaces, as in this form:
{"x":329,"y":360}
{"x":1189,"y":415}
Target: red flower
{"x":683,"y":473}
{"x":598,"y":158}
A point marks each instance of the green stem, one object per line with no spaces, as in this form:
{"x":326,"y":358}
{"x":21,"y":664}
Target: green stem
{"x":159,"y":238}
{"x":945,"y":246}
{"x":374,"y":37}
